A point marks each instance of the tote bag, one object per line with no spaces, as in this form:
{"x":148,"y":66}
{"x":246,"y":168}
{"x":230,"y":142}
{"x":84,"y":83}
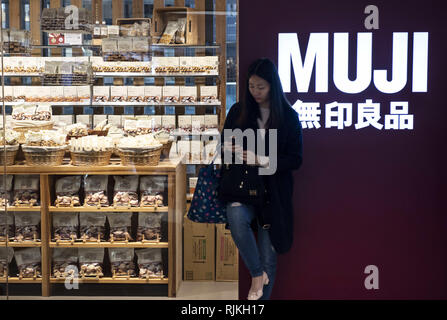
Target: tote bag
{"x":205,"y":205}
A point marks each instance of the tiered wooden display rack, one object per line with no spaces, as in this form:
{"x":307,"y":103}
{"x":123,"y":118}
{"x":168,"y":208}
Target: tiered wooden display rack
{"x":175,"y":171}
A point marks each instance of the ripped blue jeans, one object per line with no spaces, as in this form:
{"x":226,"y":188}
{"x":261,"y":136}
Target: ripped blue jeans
{"x":258,"y":257}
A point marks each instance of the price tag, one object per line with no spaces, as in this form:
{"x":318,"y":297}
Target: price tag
{"x":73,"y":39}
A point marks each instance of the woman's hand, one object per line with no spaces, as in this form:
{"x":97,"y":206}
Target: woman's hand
{"x":250,"y":157}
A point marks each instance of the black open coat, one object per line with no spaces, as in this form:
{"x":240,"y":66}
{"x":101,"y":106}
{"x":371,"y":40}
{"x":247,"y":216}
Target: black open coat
{"x":279,"y":185}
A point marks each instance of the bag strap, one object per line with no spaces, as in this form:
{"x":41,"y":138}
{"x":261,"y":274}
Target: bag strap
{"x":214,"y":158}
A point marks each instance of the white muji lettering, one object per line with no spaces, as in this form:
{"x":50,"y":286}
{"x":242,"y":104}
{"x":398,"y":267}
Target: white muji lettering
{"x":316,"y":58}
{"x":420,"y":61}
{"x":372,"y":281}
{"x":317,"y":54}
{"x":341,"y":62}
{"x":399,"y":69}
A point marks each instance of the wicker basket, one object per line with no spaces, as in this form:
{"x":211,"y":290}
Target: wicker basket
{"x":93,"y":158}
{"x":99,"y":133}
{"x":11,"y":152}
{"x":166,"y":149}
{"x":44,"y":156}
{"x":143,"y":157}
{"x":23,"y":130}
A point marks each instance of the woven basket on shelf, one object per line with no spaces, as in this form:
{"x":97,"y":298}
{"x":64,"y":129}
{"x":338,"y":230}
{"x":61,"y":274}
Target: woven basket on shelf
{"x":11,"y":153}
{"x":144,"y":157}
{"x":43,"y":156}
{"x":23,"y":130}
{"x":166,"y":149}
{"x":92,"y":158}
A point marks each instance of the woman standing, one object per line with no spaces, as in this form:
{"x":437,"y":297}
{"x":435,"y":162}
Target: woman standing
{"x":265,"y":107}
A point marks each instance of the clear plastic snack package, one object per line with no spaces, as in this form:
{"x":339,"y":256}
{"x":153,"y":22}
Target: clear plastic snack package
{"x":91,"y":262}
{"x":135,"y":94}
{"x":188,"y":94}
{"x":180,"y":34}
{"x":43,"y":113}
{"x":152,"y":189}
{"x":26,"y":190}
{"x":153,"y":94}
{"x":96,"y":191}
{"x":6,"y":226}
{"x":65,"y":226}
{"x":209,"y":94}
{"x":120,"y":226}
{"x":122,"y":262}
{"x":92,"y":226}
{"x":150,"y":263}
{"x":125,"y":191}
{"x":23,"y":112}
{"x":185,"y":124}
{"x":77,"y":130}
{"x":101,"y":93}
{"x":6,"y":194}
{"x":65,"y":263}
{"x":27,"y":226}
{"x":171,"y":94}
{"x":67,"y":191}
{"x":28,"y":262}
{"x":118,"y":93}
{"x":11,"y":138}
{"x":169,"y":32}
{"x":149,"y":226}
{"x":6,"y":255}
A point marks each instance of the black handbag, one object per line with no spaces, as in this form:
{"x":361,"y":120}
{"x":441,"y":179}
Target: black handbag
{"x":242,"y":183}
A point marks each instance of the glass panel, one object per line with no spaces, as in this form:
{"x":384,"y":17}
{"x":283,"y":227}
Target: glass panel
{"x":104,"y":121}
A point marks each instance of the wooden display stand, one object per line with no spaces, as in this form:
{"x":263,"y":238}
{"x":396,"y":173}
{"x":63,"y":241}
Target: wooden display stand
{"x":163,"y":15}
{"x":174,"y":169}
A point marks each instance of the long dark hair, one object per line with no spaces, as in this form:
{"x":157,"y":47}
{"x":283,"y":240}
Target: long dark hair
{"x":265,"y":69}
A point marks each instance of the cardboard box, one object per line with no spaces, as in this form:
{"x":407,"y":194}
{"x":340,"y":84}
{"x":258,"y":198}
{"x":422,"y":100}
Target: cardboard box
{"x":198,"y":251}
{"x":227,"y":255}
{"x":161,"y":17}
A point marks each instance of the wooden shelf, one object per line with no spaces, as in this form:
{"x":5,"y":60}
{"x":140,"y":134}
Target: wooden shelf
{"x":107,"y":280}
{"x":68,"y":31}
{"x":107,"y":209}
{"x":153,"y":75}
{"x":184,"y":46}
{"x":22,"y":209}
{"x":23,"y":244}
{"x":159,"y":245}
{"x":115,"y":168}
{"x":24,"y":280}
{"x":105,"y":104}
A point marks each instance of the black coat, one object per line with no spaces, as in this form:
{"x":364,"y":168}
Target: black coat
{"x":279,"y":185}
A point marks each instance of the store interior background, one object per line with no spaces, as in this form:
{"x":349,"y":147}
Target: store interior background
{"x":17,"y":14}
{"x":148,"y":7}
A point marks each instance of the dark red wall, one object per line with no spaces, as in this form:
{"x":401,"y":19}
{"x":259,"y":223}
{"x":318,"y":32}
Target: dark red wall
{"x":363,"y":197}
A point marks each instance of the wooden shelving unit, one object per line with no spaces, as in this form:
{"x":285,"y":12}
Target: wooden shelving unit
{"x":175,"y":171}
{"x":108,"y":209}
{"x":22,"y":244}
{"x":116,"y":244}
{"x":108,"y":280}
{"x":23,"y":280}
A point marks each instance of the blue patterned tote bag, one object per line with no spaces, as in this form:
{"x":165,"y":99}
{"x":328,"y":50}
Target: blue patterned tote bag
{"x":205,"y":205}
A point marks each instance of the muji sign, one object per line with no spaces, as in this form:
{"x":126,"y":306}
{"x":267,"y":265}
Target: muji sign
{"x":339,"y":114}
{"x":317,"y":56}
